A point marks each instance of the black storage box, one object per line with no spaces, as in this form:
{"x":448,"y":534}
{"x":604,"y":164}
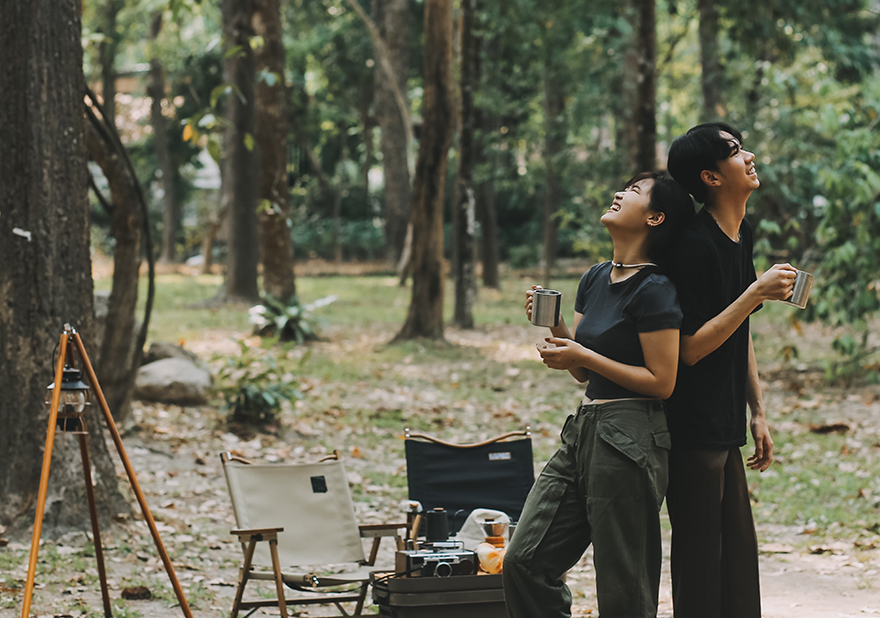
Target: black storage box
{"x":459,"y":596}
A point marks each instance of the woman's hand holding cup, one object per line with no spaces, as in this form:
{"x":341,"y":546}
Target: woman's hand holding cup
{"x":529,"y":296}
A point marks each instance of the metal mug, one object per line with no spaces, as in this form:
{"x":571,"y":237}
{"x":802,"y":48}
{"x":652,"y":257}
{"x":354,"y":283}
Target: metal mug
{"x":803,"y":284}
{"x":437,"y":525}
{"x":545,"y":307}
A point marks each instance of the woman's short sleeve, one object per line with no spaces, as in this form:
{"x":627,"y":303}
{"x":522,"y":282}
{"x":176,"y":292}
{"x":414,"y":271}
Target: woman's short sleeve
{"x":655,"y":306}
{"x":583,"y":286}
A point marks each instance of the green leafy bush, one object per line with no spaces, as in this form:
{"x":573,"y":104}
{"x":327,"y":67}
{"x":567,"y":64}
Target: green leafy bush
{"x":253,"y":387}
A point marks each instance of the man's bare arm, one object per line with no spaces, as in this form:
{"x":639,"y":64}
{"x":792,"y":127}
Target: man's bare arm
{"x":763,"y":455}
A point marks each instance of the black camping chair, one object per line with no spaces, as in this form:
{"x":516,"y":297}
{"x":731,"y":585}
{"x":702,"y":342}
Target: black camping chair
{"x":494,"y":474}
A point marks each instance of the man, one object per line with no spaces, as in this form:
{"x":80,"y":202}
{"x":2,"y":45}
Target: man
{"x":714,"y":546}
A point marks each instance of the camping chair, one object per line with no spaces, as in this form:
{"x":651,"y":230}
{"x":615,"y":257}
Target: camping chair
{"x":305,"y":514}
{"x":494,"y":474}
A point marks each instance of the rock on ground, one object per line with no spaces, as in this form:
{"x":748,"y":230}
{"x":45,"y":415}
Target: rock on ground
{"x":173,"y":380}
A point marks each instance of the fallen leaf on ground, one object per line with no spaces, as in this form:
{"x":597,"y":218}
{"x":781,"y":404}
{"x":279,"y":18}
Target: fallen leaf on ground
{"x":137,"y":593}
{"x":829,"y":428}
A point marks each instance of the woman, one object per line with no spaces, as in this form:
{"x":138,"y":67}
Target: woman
{"x":606,"y":482}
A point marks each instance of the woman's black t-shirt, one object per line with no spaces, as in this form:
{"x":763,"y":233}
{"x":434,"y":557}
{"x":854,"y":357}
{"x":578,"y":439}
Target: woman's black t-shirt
{"x":615,"y":313}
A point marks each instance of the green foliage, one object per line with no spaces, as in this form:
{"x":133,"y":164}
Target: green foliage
{"x":288,"y":322}
{"x":254,"y":386}
{"x":847,"y":289}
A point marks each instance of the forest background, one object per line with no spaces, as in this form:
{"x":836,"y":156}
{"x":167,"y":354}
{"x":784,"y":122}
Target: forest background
{"x":469,"y":145}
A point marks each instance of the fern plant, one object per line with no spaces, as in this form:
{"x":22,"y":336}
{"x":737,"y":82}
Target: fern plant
{"x":287,"y":322}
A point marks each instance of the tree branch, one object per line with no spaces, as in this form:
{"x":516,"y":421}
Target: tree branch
{"x":108,"y":131}
{"x":385,"y":64}
{"x":108,"y":207}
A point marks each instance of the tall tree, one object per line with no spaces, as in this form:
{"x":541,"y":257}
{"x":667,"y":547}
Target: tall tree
{"x":645,"y":117}
{"x":239,"y":156}
{"x":464,"y":210}
{"x":276,"y":251}
{"x":156,"y":90}
{"x":45,"y":278}
{"x":392,"y":18}
{"x":109,"y":11}
{"x":554,"y":43}
{"x":487,"y":123}
{"x":425,"y":316}
{"x":120,"y":354}
{"x":711,"y":74}
{"x":554,"y":127}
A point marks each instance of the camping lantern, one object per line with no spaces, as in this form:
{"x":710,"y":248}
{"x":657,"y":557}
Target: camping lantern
{"x":75,"y":396}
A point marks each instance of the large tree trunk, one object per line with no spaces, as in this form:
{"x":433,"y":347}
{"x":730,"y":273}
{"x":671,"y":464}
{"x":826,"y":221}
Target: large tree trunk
{"x":464,"y":223}
{"x":45,"y":268}
{"x":276,"y":251}
{"x":107,"y":56}
{"x":170,"y":209}
{"x":239,"y":158}
{"x":554,"y":114}
{"x":487,"y":122}
{"x":646,"y":87}
{"x":392,"y":19}
{"x":115,"y":368}
{"x":425,"y":316}
{"x":711,"y":76}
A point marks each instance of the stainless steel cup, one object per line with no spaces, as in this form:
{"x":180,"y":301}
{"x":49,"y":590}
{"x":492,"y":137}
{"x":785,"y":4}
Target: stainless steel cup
{"x":803,"y":284}
{"x":545,"y":307}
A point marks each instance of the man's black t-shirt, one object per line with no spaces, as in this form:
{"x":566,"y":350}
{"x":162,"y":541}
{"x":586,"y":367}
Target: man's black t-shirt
{"x":708,"y":408}
{"x":615,"y":314}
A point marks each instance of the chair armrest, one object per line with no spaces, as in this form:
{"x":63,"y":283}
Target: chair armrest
{"x":377,"y":530}
{"x":256,"y":532}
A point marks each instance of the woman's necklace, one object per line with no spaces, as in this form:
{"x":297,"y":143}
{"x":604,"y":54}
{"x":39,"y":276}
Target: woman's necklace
{"x":621,"y":265}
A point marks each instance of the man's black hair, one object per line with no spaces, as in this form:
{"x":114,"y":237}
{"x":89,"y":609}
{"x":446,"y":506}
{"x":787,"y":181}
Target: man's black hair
{"x":700,"y":149}
{"x":670,"y":198}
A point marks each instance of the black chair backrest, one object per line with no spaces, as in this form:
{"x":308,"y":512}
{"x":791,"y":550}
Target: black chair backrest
{"x":496,"y":476}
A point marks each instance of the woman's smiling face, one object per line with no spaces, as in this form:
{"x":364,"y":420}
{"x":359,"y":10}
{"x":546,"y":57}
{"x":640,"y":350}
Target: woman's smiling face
{"x":630,"y":207}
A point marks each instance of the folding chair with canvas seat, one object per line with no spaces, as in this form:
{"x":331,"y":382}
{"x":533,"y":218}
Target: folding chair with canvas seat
{"x":494,"y":474}
{"x":305,"y":514}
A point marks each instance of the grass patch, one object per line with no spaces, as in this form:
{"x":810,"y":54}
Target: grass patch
{"x":818,"y":481}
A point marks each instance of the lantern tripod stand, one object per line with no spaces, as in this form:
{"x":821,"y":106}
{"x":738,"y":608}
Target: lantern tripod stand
{"x":69,"y":396}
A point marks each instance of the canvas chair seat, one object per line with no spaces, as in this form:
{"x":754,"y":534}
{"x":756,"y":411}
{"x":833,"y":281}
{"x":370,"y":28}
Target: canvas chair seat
{"x":302,"y":580}
{"x":305,"y":514}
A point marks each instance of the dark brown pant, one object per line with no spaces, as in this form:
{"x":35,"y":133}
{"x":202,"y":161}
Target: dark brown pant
{"x":714,"y":546}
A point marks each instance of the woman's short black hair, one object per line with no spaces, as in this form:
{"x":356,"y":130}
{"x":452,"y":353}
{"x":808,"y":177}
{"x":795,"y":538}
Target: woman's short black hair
{"x":670,"y":198}
{"x":699,"y":149}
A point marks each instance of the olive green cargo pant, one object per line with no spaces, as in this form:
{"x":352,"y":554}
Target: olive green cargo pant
{"x":603,"y":486}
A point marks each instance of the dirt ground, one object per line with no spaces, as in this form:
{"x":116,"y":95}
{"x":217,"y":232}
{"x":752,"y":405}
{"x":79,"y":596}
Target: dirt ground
{"x":175,"y":453}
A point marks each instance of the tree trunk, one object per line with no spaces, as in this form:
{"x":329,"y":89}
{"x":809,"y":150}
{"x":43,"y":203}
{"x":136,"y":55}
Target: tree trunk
{"x":114,"y":363}
{"x":554,"y":114}
{"x":425,"y":317}
{"x":711,"y":76}
{"x":45,"y":279}
{"x":646,"y":87}
{"x":392,"y":20}
{"x":107,"y":56}
{"x":239,"y":158}
{"x":463,"y":232}
{"x":170,"y":210}
{"x":369,"y":122}
{"x":487,"y":121}
{"x":271,"y":136}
